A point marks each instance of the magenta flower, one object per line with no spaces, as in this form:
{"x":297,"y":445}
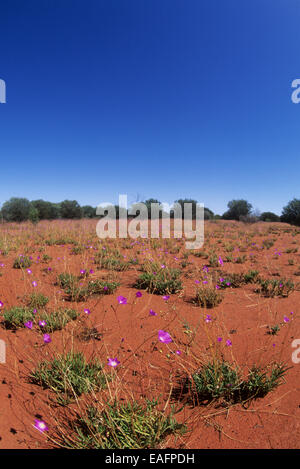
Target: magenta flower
{"x":286,"y":319}
{"x":178,"y":352}
{"x":91,"y":271}
{"x":28,"y":324}
{"x":105,"y":288}
{"x":47,"y":338}
{"x":221,"y":260}
{"x":166,"y":297}
{"x":138,"y":294}
{"x":42,"y":323}
{"x":164,"y":337}
{"x":228,"y":342}
{"x":29,"y":271}
{"x":113,"y":362}
{"x":1,"y":304}
{"x":87,"y":311}
{"x":122,"y":300}
{"x":34,"y":283}
{"x":41,"y":426}
{"x":152,"y":313}
{"x":82,"y":271}
{"x":219,"y":339}
{"x":208,"y":318}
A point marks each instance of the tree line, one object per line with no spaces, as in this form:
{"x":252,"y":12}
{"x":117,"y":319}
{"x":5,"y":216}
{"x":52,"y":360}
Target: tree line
{"x":21,"y":209}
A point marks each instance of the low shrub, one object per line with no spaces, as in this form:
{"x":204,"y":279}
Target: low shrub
{"x":120,"y":426}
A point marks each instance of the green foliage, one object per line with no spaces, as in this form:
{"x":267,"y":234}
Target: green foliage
{"x":16,"y":209}
{"x":121,"y":426}
{"x":58,"y":319}
{"x":46,"y":210}
{"x":22,"y":262}
{"x":102,"y":287}
{"x":15,"y":318}
{"x":236,"y":209}
{"x":37,"y":300}
{"x":66,"y":280}
{"x":235,"y":280}
{"x":273,"y":330}
{"x":291,"y":212}
{"x":88,"y":211}
{"x":220,"y":380}
{"x":33,"y":215}
{"x":69,"y":375}
{"x":268,"y":243}
{"x":208,"y":296}
{"x":165,"y":281}
{"x":269,"y":216}
{"x":70,"y":209}
{"x":275,"y":287}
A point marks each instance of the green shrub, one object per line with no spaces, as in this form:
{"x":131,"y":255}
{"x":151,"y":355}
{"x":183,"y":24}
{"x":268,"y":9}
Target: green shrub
{"x":208,"y":296}
{"x":57,"y":320}
{"x":268,"y":243}
{"x":37,"y":300}
{"x":221,"y":380}
{"x":120,"y":426}
{"x":165,"y":281}
{"x":66,"y":280}
{"x":235,"y":280}
{"x":271,"y":288}
{"x":69,"y":376}
{"x":46,"y":258}
{"x":16,"y":317}
{"x":22,"y":262}
{"x":101,"y":287}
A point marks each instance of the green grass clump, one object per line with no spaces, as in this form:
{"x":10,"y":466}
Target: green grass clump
{"x":102,"y":287}
{"x":235,"y":280}
{"x":22,"y":262}
{"x":207,"y":296}
{"x":165,"y":281}
{"x":46,"y":258}
{"x":268,"y":243}
{"x":66,"y":280}
{"x":113,"y":263}
{"x":37,"y":300}
{"x":69,"y":375}
{"x":16,"y":317}
{"x":70,"y":285}
{"x":221,"y":380}
{"x":121,"y":426}
{"x":77,"y":250}
{"x":57,"y":320}
{"x":272,"y":288}
{"x":60,"y":241}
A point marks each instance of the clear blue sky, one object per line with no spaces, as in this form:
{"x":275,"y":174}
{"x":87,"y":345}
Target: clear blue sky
{"x":150,"y":98}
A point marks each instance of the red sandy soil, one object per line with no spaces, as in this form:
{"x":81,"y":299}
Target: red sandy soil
{"x":148,"y":367}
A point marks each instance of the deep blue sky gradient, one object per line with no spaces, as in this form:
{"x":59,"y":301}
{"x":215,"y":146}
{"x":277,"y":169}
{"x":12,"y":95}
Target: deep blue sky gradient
{"x":151,"y":98}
